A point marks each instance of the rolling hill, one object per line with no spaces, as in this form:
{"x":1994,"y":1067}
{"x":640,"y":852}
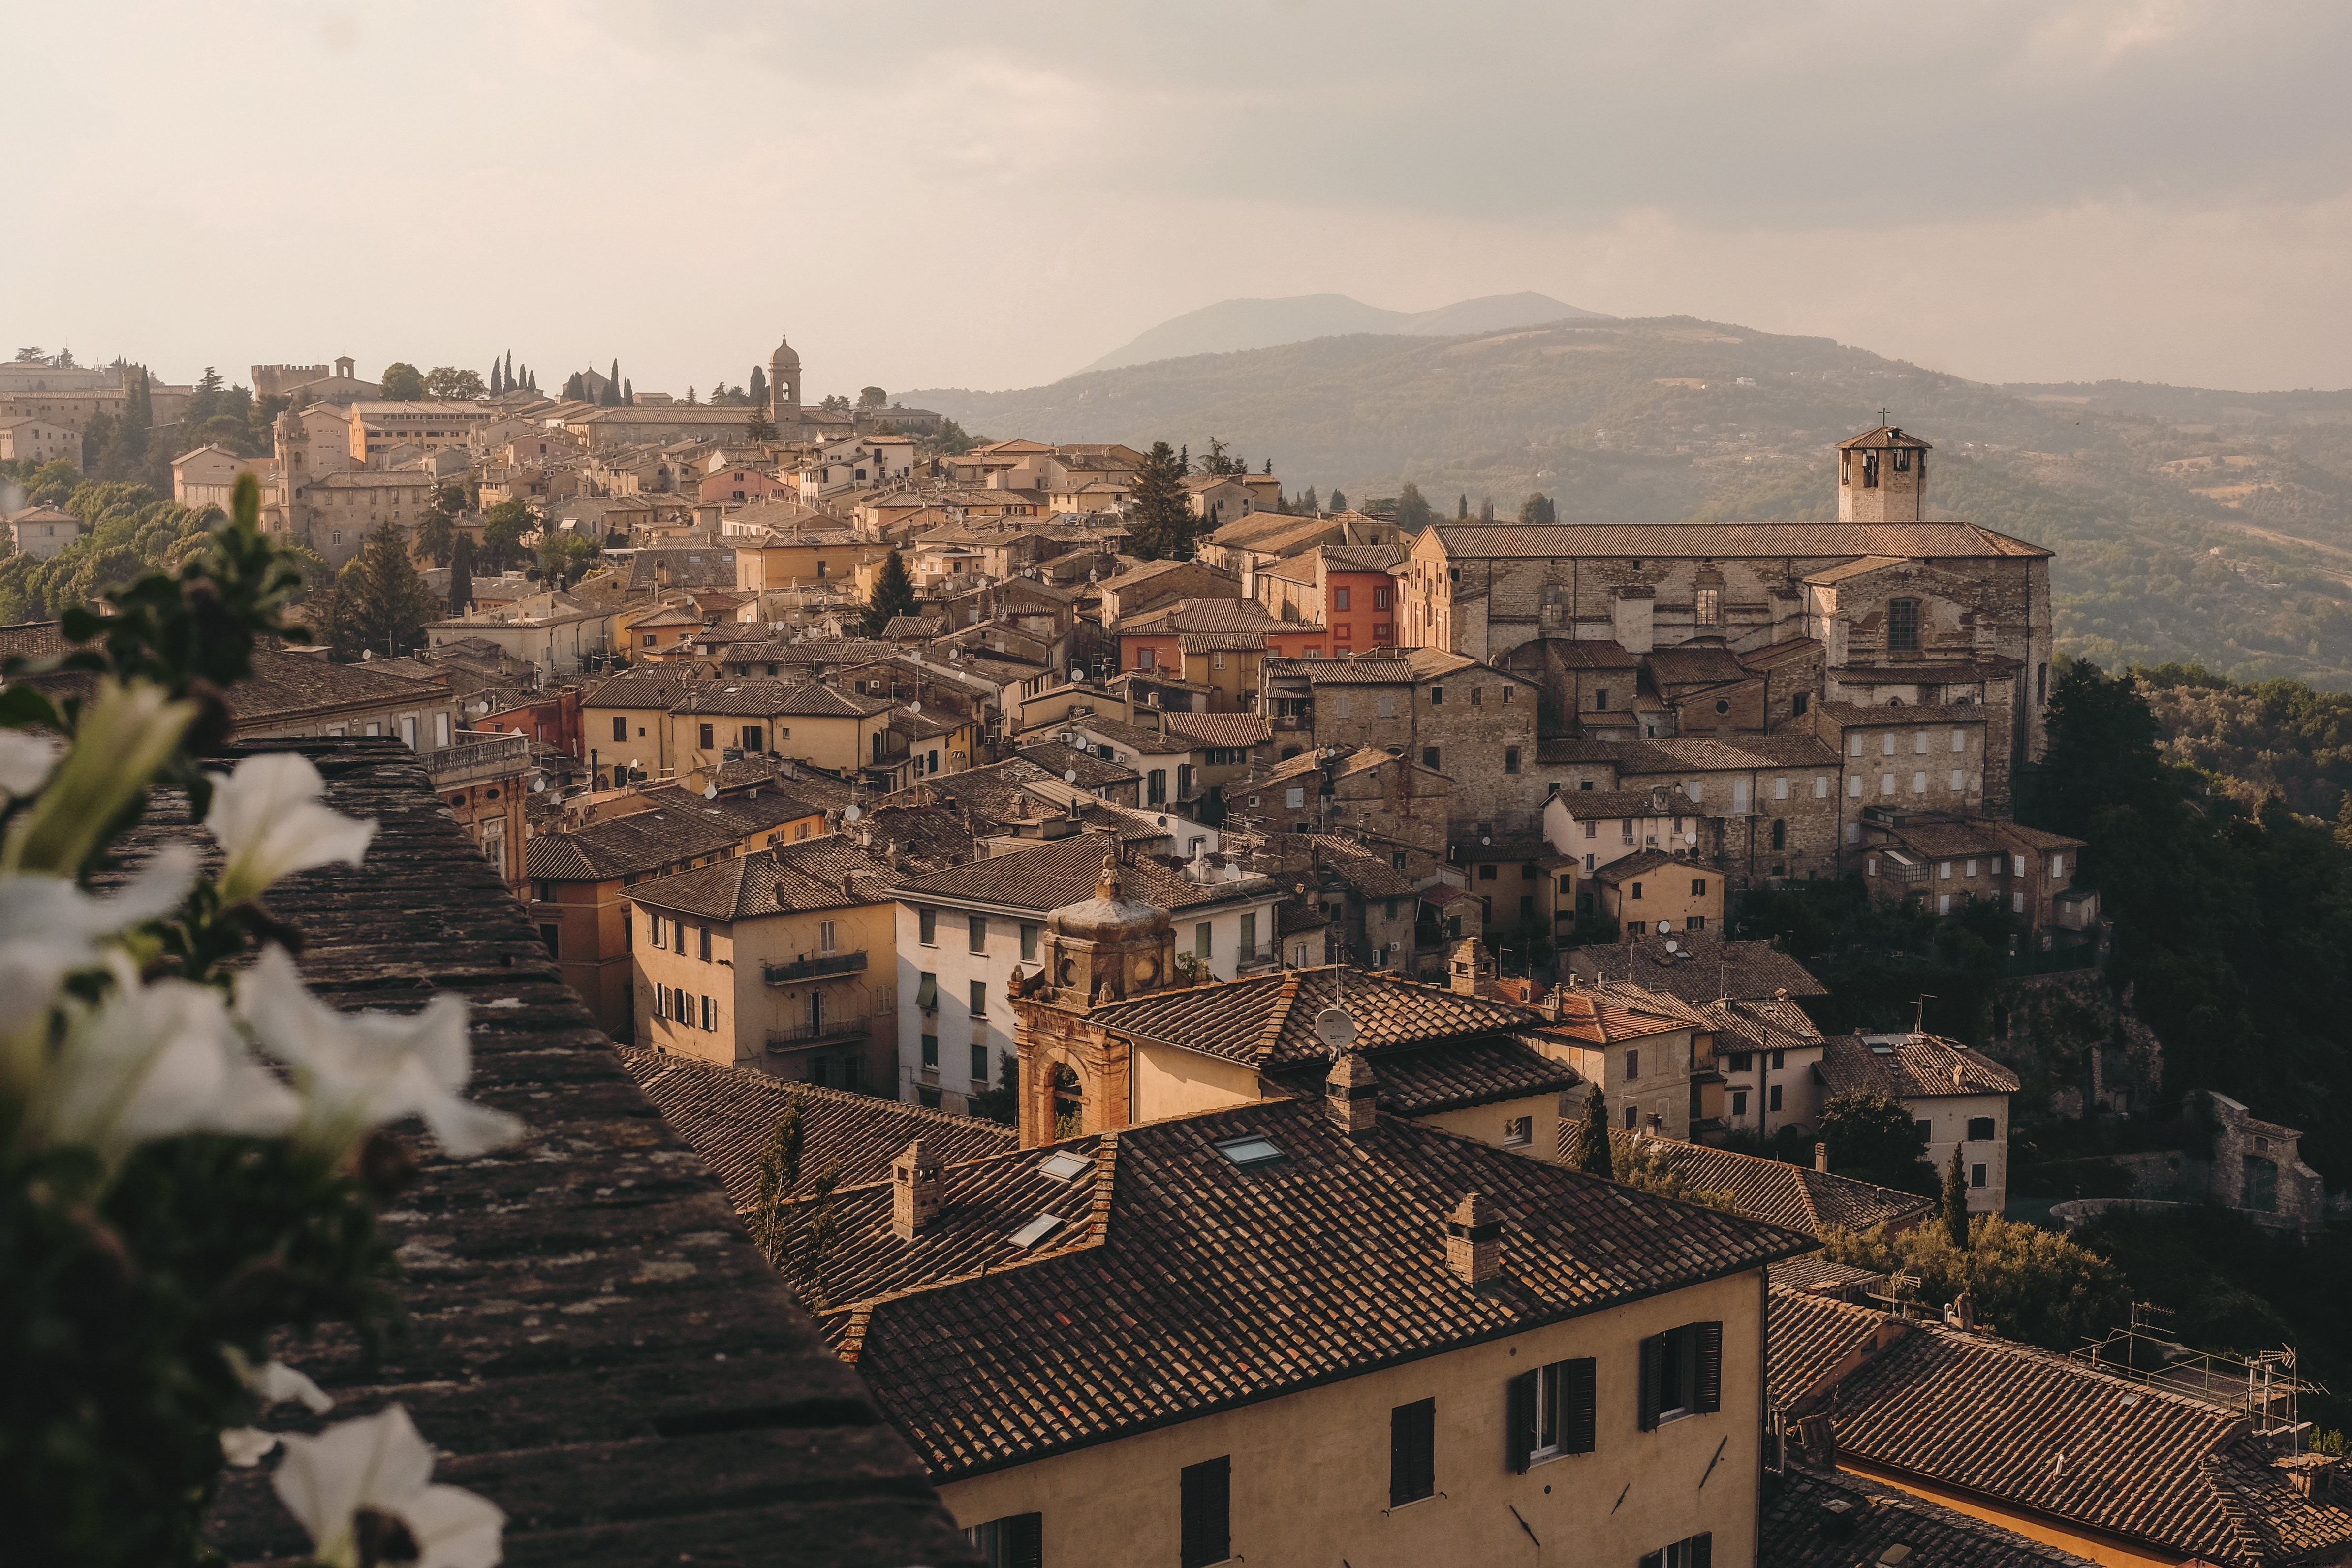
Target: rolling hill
{"x":1231,"y":325}
{"x":2190,"y":525}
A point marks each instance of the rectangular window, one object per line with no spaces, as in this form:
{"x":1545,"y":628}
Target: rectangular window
{"x":1510,"y":759}
{"x":1518,"y":1132}
{"x":1338,"y":598}
{"x":927,"y":927}
{"x":1698,"y":887}
{"x":709,"y":1012}
{"x":1981,"y":1129}
{"x":1633,"y":1063}
{"x":620,"y":728}
{"x":1437,"y":697}
{"x":1028,"y":943}
{"x":1342,"y":704}
{"x":1601,"y":699}
{"x":1976,"y":1175}
{"x":551,"y":934}
{"x":824,"y":936}
{"x":654,"y":924}
{"x":1249,"y":933}
{"x":702,"y":944}
{"x":1820,"y":786}
{"x":1429,"y":758}
{"x":1772,"y":1100}
{"x":1412,"y":1452}
{"x":1486,"y":873}
{"x":1388,"y":704}
{"x":1695,"y":1551}
{"x":1886,"y":745}
{"x":977,"y":925}
{"x":1710,"y":602}
{"x":1779,"y":789}
{"x":979,"y":1063}
{"x":1015,"y":1541}
{"x":931,"y":1052}
{"x":1853,"y":745}
{"x":1295,"y":797}
{"x":1380,"y":598}
{"x":1738,"y":1102}
{"x":1201,"y":939}
{"x":702,"y":733}
{"x":1682,"y":1373}
{"x":926,"y":994}
{"x":979,"y":1002}
{"x":1959,"y":780}
{"x":1550,"y":1413}
{"x":1206,"y":1495}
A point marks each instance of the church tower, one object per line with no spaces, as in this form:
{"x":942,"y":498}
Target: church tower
{"x":783,"y":386}
{"x":1882,"y":476}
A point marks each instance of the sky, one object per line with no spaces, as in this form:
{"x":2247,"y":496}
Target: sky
{"x":961,"y":192}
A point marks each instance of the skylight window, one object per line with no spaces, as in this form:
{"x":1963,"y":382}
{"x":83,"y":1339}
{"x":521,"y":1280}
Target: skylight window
{"x":1035,"y":1231}
{"x":1063,"y":1167}
{"x":1249,"y":1151}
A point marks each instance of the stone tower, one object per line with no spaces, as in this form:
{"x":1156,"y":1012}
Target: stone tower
{"x":783,"y":386}
{"x":1882,"y":476}
{"x":1109,"y":947}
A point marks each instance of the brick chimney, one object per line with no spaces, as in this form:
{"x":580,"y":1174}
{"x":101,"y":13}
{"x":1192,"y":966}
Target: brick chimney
{"x":1474,"y":1241}
{"x":916,"y":1187}
{"x":1351,"y":1094}
{"x":1822,"y":1158}
{"x":1471,"y":972}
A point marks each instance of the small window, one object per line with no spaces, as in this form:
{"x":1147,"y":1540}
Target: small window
{"x":1518,"y":1132}
{"x":1429,"y":758}
{"x":1035,"y":1231}
{"x":1682,"y":1373}
{"x":927,"y":927}
{"x":1601,"y":699}
{"x":1064,"y":1166}
{"x":1742,"y":1061}
{"x":702,"y":944}
{"x":1029,"y":942}
{"x":1412,"y":1452}
{"x":1976,"y":1175}
{"x":1980,"y":1129}
{"x":927,"y":995}
{"x":1709,"y":606}
{"x":1695,"y":1551}
{"x":1249,"y":1151}
{"x":551,"y":934}
{"x":1903,"y":626}
{"x":1772,"y":1098}
{"x":1486,"y":873}
{"x":979,"y":999}
{"x":931,"y":1054}
{"x":1632,"y":1063}
{"x":1205,"y":1495}
{"x":1510,"y":757}
{"x":1551,"y":1413}
{"x":977,"y":925}
{"x":1437,"y":697}
{"x":1201,"y":940}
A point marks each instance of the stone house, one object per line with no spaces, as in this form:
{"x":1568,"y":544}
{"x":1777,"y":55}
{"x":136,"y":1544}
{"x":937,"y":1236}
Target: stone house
{"x":1454,"y":715}
{"x":26,"y":439}
{"x":1659,"y":889}
{"x":1958,"y":1096}
{"x":1654,"y":1057}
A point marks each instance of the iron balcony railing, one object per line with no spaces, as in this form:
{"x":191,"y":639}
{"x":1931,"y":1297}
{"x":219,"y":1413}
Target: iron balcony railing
{"x":849,"y":1027}
{"x":814,"y":968}
{"x":488,"y":753}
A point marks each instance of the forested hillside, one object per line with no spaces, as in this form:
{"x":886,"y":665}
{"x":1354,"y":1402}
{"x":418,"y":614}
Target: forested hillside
{"x":2191,"y":526}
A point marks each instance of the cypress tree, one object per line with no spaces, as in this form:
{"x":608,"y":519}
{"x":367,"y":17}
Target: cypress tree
{"x":1339,"y":499}
{"x":629,"y":392}
{"x":1183,"y":461}
{"x":613,"y":386}
{"x":894,"y":595}
{"x":1956,"y":1201}
{"x":1462,"y":508}
{"x":511,"y":380}
{"x":1487,"y":510}
{"x":1413,"y":512}
{"x":758,"y":387}
{"x":496,"y":385}
{"x":1309,"y":503}
{"x":1590,"y":1152}
{"x":576,"y":389}
{"x":461,"y":575}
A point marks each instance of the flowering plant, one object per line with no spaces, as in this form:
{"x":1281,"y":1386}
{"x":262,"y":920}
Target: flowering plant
{"x":191,"y":1149}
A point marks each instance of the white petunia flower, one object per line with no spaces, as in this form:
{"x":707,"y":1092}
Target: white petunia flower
{"x":153,"y":1061}
{"x":26,"y":760}
{"x":269,"y":823}
{"x":246,"y":1446}
{"x":276,"y":1382}
{"x":380,"y":1464}
{"x":358,"y":1070}
{"x":122,"y":736}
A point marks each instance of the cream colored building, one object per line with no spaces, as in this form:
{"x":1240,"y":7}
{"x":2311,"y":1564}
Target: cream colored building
{"x":25,"y":439}
{"x":40,"y":532}
{"x":1957,"y":1097}
{"x":208,"y":476}
{"x":373,"y":429}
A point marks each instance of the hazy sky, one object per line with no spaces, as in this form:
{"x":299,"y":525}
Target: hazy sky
{"x":991,"y":195}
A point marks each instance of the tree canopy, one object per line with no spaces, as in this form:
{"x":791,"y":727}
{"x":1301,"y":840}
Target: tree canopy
{"x":379,"y":602}
{"x":403,"y":383}
{"x":1413,"y":512}
{"x":447,"y":380}
{"x":1873,"y":1139}
{"x":1165,"y":528}
{"x":2028,"y":1283}
{"x":893,"y":594}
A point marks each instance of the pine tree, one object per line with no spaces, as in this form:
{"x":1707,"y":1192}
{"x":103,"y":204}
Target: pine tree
{"x":759,"y":427}
{"x":1590,"y":1152}
{"x":436,"y":531}
{"x":1163,"y":529}
{"x":1956,"y":1201}
{"x":461,"y":575}
{"x":893,"y":595}
{"x":1309,"y":503}
{"x":1413,"y":513}
{"x":1339,"y":499}
{"x":379,"y":602}
{"x":1184,"y":462}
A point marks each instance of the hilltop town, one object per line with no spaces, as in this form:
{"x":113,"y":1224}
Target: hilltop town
{"x":1242,"y":1018}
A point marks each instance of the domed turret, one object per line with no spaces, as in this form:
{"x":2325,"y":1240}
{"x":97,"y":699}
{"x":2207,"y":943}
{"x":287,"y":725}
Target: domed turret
{"x":1110,"y":946}
{"x":783,"y":382}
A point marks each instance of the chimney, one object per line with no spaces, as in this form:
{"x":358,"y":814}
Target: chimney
{"x":916,"y":1186}
{"x":1551,"y":1002}
{"x":1351,"y":1094}
{"x":1817,"y":1441}
{"x":1822,"y":1158}
{"x":1959,"y":1075}
{"x":1471,"y":972}
{"x":1474,"y":1241}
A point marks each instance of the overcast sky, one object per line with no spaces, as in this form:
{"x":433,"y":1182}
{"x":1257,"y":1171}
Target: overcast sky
{"x":990,"y":194}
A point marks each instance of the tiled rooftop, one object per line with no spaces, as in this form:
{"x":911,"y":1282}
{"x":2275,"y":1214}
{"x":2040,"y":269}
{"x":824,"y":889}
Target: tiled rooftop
{"x":1063,"y":871}
{"x":1728,"y":541}
{"x":1797,"y":1197}
{"x":1703,"y":967}
{"x":1910,"y":1066}
{"x":1838,"y":1520}
{"x":1269,"y":1019}
{"x":825,"y":873}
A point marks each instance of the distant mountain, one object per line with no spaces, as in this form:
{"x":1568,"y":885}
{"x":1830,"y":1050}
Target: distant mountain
{"x":1231,"y":325}
{"x":2191,"y":525}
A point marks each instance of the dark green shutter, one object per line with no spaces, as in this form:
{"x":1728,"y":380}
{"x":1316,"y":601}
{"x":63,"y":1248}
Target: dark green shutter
{"x":1710,"y":1393}
{"x":1653,"y":1559}
{"x":1577,"y":1416}
{"x":1207,"y":1514}
{"x":1412,"y":1451}
{"x":1025,"y":1541}
{"x":1653,"y":1351}
{"x":1519,"y":1420}
{"x":1702,"y":1549}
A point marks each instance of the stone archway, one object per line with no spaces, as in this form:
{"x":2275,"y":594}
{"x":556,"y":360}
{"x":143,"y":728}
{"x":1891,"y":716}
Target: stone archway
{"x":1067,"y":1102}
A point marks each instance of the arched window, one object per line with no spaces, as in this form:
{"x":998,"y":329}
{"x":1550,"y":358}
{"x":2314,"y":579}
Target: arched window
{"x":1903,"y":626}
{"x":1069,"y":1102}
{"x":1870,"y":470}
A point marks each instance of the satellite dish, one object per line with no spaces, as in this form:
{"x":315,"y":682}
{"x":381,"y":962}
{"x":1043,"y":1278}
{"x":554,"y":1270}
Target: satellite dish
{"x":852,"y":812}
{"x":913,"y":708}
{"x":1665,"y":926}
{"x":1672,"y":946}
{"x":1069,"y":775}
{"x":1485,"y":838}
{"x":710,"y":792}
{"x":1690,"y":836}
{"x":537,"y":785}
{"x":1335,"y":1028}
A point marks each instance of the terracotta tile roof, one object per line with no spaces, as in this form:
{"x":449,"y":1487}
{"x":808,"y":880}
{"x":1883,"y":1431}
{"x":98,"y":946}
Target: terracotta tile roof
{"x":1648,"y":862}
{"x":1693,"y":666}
{"x":810,"y":874}
{"x":1133,"y":737}
{"x":653,"y":686}
{"x":752,"y":699}
{"x":1700,"y":753}
{"x":1360,"y":557}
{"x":1797,"y":1197}
{"x":1451,"y":1076}
{"x":1235,"y":730}
{"x":1607,"y":804}
{"x":729,"y":1115}
{"x":1269,"y":1019}
{"x":1221,"y":642}
{"x":1853,"y":716}
{"x":1837,"y":1520}
{"x":1759,"y":1024}
{"x":1572,"y":749}
{"x":1815,"y":1273}
{"x":1383,"y":669}
{"x":1728,"y":541}
{"x":1203,"y":616}
{"x":1092,"y":772}
{"x":1704,"y":967}
{"x":1597,"y":1017}
{"x":2056,"y":1436}
{"x":1943,"y":840}
{"x":1908,"y":1067}
{"x":678,"y":826}
{"x":1371,"y":875}
{"x":1343,"y":1272}
{"x":913,"y":627}
{"x":1049,"y":876}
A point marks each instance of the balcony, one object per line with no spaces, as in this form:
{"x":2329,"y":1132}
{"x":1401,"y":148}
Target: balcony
{"x":817,"y":968}
{"x":832,"y":1031}
{"x":1265,"y":955}
{"x":480,"y":754}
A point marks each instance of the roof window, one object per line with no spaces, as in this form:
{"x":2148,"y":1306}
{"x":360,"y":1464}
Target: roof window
{"x":1251,"y":1151}
{"x":1064,"y":1166}
{"x":1035,"y":1231}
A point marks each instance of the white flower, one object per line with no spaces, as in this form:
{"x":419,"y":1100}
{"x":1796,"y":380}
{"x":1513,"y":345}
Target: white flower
{"x":381,"y":1464}
{"x":360,"y":1069}
{"x":124,"y":733}
{"x":246,"y":1446}
{"x":275,"y":1383}
{"x":153,"y":1061}
{"x":25,"y":761}
{"x":269,"y":823}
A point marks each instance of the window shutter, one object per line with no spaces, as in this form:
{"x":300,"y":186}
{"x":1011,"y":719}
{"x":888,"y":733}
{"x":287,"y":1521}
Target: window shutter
{"x":1653,"y":1559}
{"x":1710,"y":1367}
{"x":1412,"y":1451}
{"x":1576,"y":1406}
{"x":1702,"y":1547}
{"x":1652,"y":1359}
{"x":1207,"y":1498}
{"x":1519,"y":1420}
{"x":1025,"y":1541}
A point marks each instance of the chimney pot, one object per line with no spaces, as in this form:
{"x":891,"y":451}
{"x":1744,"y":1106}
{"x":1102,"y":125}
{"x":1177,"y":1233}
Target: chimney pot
{"x":1351,"y":1094}
{"x":916,"y":1187}
{"x":1474,"y":1240}
{"x":1822,"y":1158}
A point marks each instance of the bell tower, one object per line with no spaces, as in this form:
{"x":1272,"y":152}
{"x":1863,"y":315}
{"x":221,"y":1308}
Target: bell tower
{"x":1882,"y":476}
{"x":784,"y":385}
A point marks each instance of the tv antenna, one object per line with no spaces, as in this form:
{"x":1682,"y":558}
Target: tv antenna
{"x":1919,"y":1014}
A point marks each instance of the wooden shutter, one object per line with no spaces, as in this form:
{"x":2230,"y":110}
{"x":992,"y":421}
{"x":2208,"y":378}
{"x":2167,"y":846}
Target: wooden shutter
{"x":1653,"y":1351}
{"x":1207,"y":1495}
{"x":1577,"y":1416}
{"x":1025,"y":1541}
{"x":1702,"y":1545}
{"x":1709,"y":1394}
{"x":1519,"y":1420}
{"x":1653,"y":1559}
{"x":1412,"y":1451}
